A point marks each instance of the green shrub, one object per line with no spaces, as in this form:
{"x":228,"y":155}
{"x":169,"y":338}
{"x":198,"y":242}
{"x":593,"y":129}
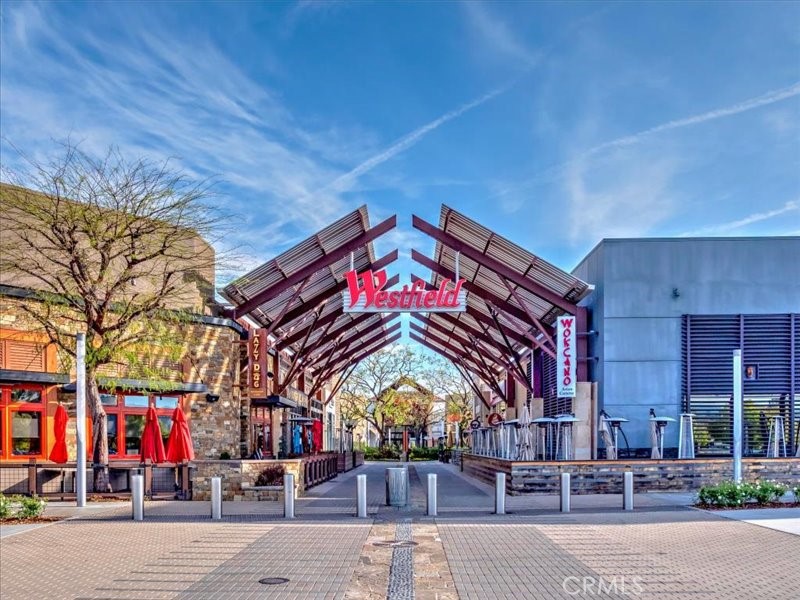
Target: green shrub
{"x":725,"y":494}
{"x":224,"y":455}
{"x":796,"y":492}
{"x":765,"y":492}
{"x":418,"y":453}
{"x":5,"y":507}
{"x":730,"y":494}
{"x":271,"y":475}
{"x":382,"y":453}
{"x":30,"y":507}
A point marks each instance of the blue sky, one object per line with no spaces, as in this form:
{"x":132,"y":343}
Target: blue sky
{"x":555,"y":124}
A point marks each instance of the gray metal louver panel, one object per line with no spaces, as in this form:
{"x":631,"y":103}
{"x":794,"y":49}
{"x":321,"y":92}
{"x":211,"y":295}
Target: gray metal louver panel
{"x":769,"y":343}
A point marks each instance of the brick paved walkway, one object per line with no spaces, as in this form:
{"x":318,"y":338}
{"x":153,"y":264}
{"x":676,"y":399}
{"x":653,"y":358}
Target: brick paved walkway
{"x":662,"y":550}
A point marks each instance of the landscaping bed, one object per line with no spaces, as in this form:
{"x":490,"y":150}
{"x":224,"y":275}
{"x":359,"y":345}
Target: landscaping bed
{"x":18,"y":510}
{"x":729,"y":495}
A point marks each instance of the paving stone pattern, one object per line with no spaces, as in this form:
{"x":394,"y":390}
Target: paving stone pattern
{"x":661,"y":550}
{"x":401,"y":569}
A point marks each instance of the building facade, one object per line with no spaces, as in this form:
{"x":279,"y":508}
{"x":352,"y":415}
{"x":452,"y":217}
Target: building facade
{"x":665,"y":316}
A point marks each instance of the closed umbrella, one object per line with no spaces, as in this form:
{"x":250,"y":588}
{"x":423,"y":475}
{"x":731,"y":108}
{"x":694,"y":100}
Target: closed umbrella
{"x":655,"y":453}
{"x":152,"y":446}
{"x":59,"y":452}
{"x":525,"y":445}
{"x":179,"y":444}
{"x":608,"y":436}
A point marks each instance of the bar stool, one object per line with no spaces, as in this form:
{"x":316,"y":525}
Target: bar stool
{"x":686,"y":436}
{"x":544,"y":434}
{"x":564,"y":425}
{"x":777,"y":438}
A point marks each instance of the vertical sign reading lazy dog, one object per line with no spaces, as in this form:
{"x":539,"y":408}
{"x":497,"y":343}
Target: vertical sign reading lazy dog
{"x":565,"y":356}
{"x":257,"y":353}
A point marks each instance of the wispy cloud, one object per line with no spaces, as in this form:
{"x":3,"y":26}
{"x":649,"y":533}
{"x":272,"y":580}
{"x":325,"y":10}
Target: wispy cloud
{"x":346,"y":180}
{"x":765,"y":99}
{"x":157,"y":94}
{"x":627,"y":205}
{"x":562,"y":170}
{"x":792,"y":206}
{"x":498,"y":35}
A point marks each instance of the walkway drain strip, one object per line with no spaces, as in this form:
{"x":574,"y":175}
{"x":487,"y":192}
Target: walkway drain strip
{"x":401,"y":570}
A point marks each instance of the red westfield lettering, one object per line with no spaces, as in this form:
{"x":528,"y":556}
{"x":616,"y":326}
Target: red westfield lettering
{"x":370,"y":285}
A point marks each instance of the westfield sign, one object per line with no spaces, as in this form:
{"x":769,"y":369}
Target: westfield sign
{"x":365,"y":293}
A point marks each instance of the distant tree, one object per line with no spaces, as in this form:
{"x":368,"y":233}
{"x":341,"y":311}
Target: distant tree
{"x":109,"y":246}
{"x":367,"y":394}
{"x":446,"y":382}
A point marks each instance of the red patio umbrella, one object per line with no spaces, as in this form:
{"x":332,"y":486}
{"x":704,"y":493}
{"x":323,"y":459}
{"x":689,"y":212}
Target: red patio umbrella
{"x":152,"y":447}
{"x":59,"y":452}
{"x":316,"y":435}
{"x":179,"y":444}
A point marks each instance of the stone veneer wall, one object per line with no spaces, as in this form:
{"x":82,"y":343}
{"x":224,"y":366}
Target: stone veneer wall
{"x":239,"y":476}
{"x":606,"y":476}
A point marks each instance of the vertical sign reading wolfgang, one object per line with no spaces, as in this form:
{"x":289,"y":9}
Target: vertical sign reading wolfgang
{"x":565,"y":356}
{"x":257,"y":354}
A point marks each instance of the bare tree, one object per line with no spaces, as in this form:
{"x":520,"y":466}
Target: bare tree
{"x":117,"y":248}
{"x":367,"y":394}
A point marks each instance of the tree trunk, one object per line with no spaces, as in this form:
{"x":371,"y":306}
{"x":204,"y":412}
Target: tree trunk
{"x":101,"y":480}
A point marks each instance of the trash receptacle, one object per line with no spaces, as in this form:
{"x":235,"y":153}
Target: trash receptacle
{"x":396,"y":486}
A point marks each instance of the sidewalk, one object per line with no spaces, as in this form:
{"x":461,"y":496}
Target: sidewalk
{"x":663,"y":549}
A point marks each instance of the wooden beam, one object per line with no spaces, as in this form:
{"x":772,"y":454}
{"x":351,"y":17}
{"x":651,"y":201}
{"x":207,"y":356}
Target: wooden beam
{"x":493,"y":264}
{"x":324,"y":261}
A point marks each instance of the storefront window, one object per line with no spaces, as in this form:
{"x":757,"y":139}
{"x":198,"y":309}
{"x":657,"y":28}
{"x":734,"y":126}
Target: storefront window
{"x":165,"y":424}
{"x":134,"y":426}
{"x":22,"y":422}
{"x":26,"y":432}
{"x":137,"y":401}
{"x":26,"y":396}
{"x":126,"y":419}
{"x":166,"y":402}
{"x":112,"y":431}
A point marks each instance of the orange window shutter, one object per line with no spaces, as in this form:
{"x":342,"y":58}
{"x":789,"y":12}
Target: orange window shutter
{"x":2,"y":354}
{"x":24,"y":356}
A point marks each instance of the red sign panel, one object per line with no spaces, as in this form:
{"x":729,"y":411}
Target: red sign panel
{"x":365,"y":293}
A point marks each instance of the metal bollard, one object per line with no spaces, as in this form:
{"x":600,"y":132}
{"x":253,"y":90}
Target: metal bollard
{"x":500,"y":494}
{"x":627,"y":493}
{"x":362,"y":496}
{"x":216,"y":498}
{"x":565,"y":492}
{"x":432,"y":495}
{"x":137,"y":497}
{"x":288,"y":496}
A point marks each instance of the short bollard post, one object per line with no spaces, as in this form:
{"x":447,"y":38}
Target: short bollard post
{"x":500,"y":494}
{"x":216,"y":498}
{"x":362,"y":496}
{"x":288,"y":496}
{"x":565,"y":493}
{"x":432,"y":494}
{"x":137,"y":497}
{"x":627,"y":495}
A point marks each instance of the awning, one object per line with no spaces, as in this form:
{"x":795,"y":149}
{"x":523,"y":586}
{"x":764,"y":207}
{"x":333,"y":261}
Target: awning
{"x":12,"y":376}
{"x":144,"y":385}
{"x":513,"y":299}
{"x":273,"y":402}
{"x":297,"y":298}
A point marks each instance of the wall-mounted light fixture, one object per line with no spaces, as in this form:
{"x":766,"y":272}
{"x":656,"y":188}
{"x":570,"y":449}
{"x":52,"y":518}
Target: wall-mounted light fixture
{"x":676,"y":293}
